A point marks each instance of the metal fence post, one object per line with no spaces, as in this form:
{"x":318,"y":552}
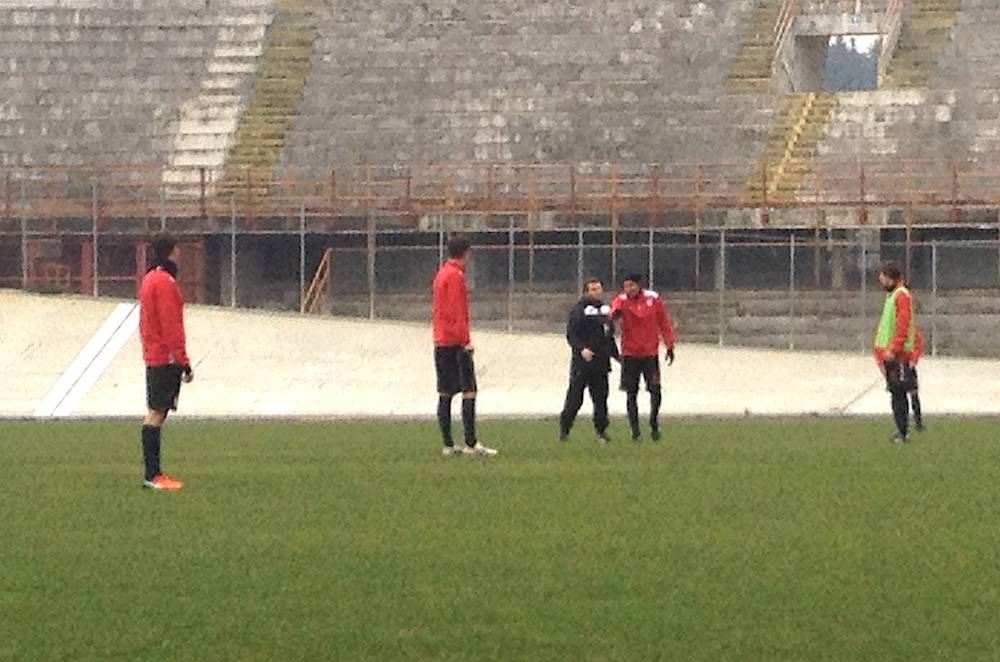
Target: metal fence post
{"x":791,"y":293}
{"x":697,"y":256}
{"x":579,"y":260}
{"x":934,"y":297}
{"x":864,"y":291}
{"x":302,"y":256}
{"x":24,"y":234}
{"x":652,"y":285}
{"x":232,"y":251}
{"x":163,"y":208}
{"x":440,"y":240}
{"x":94,"y":252}
{"x":721,"y":285}
{"x":371,"y":249}
{"x":510,"y":275}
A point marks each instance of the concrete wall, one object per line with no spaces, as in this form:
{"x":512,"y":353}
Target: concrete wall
{"x":252,"y":364}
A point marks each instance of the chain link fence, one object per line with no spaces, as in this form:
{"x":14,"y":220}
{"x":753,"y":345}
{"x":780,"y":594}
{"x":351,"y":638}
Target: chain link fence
{"x":791,"y":289}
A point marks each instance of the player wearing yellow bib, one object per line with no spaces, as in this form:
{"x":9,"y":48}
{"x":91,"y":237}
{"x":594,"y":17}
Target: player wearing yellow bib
{"x":896,"y":344}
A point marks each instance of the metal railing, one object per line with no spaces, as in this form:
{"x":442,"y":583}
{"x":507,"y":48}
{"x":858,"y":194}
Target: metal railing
{"x":892,"y":28}
{"x":45,"y":198}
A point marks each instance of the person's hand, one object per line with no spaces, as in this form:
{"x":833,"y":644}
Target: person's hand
{"x":188,"y":375}
{"x":670,"y":357}
{"x":889,"y":356}
{"x":469,"y":349}
{"x":587,"y":354}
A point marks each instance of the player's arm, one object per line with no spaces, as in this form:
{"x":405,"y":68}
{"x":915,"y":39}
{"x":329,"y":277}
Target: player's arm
{"x":667,"y":330}
{"x":904,"y":313}
{"x":617,"y":309}
{"x":170,"y":309}
{"x":573,"y":325}
{"x":574,"y":334}
{"x":459,"y":305}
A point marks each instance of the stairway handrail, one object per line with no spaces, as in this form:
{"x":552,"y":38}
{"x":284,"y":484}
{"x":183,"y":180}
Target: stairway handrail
{"x":892,"y":27}
{"x":782,"y":27}
{"x":319,"y":283}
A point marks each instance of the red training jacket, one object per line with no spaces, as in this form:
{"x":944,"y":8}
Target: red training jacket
{"x":644,"y":320}
{"x":161,"y":319}
{"x":904,"y":313}
{"x":451,"y":306}
{"x":918,"y":350}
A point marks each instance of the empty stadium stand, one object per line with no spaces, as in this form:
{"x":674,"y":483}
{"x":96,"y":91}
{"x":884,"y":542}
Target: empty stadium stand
{"x":277,"y":117}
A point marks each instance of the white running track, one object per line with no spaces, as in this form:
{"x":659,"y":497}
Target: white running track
{"x":73,"y":356}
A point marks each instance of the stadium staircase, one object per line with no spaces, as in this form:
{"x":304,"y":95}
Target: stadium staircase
{"x":765,"y":31}
{"x":925,"y":36}
{"x":285,"y":63}
{"x":208,"y":123}
{"x":790,"y":153}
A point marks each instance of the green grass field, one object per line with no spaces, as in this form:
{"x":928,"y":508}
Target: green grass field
{"x":756,"y":540}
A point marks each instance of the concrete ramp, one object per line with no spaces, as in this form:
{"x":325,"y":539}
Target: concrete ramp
{"x":260,"y":364}
{"x":40,"y":337}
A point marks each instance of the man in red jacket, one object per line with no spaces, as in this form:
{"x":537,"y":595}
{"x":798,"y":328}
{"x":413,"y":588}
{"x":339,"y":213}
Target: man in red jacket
{"x":644,"y":320}
{"x":456,"y":372}
{"x":896,"y":344}
{"x":161,"y":327}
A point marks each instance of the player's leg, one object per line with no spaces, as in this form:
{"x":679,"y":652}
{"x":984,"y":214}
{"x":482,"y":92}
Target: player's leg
{"x":448,"y":385}
{"x":152,"y":424}
{"x":573,"y":402}
{"x":444,"y":419}
{"x":598,"y":386}
{"x":913,"y":385}
{"x":631,"y":372}
{"x":163,"y":385}
{"x":918,"y":414}
{"x":467,"y":375}
{"x":651,"y":375}
{"x":900,"y":402}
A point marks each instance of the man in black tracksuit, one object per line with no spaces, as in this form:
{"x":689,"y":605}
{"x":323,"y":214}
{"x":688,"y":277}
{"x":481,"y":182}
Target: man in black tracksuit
{"x":591,"y":335}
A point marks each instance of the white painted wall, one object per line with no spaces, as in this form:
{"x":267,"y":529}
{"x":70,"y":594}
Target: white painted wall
{"x":258,"y":364}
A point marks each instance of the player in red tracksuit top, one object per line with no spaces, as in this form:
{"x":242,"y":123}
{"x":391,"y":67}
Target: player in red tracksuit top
{"x":161,"y":327}
{"x":456,"y":371}
{"x":644,"y":319}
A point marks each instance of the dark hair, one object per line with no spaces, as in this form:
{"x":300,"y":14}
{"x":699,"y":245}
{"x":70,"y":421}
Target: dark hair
{"x":634,"y":277}
{"x":163,"y":246}
{"x":589,"y":281}
{"x":892,"y":270}
{"x":458,"y":245}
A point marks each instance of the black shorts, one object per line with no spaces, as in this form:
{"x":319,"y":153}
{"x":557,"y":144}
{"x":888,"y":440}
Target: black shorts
{"x":163,"y":385}
{"x":634,"y":367}
{"x":456,"y":371}
{"x":901,"y":373}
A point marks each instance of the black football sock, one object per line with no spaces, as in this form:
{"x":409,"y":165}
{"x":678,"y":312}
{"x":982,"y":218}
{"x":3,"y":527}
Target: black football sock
{"x":655,"y":400}
{"x":469,"y":420}
{"x":917,"y":414}
{"x":151,"y":451}
{"x":901,"y":411}
{"x":444,"y":419}
{"x":632,"y":405}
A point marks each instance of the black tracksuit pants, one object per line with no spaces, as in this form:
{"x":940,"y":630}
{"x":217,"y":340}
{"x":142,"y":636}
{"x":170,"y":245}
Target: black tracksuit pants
{"x":594,"y":380}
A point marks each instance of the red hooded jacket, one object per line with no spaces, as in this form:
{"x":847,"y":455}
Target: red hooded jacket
{"x":644,"y":320}
{"x":451,"y":306}
{"x":161,"y":319}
